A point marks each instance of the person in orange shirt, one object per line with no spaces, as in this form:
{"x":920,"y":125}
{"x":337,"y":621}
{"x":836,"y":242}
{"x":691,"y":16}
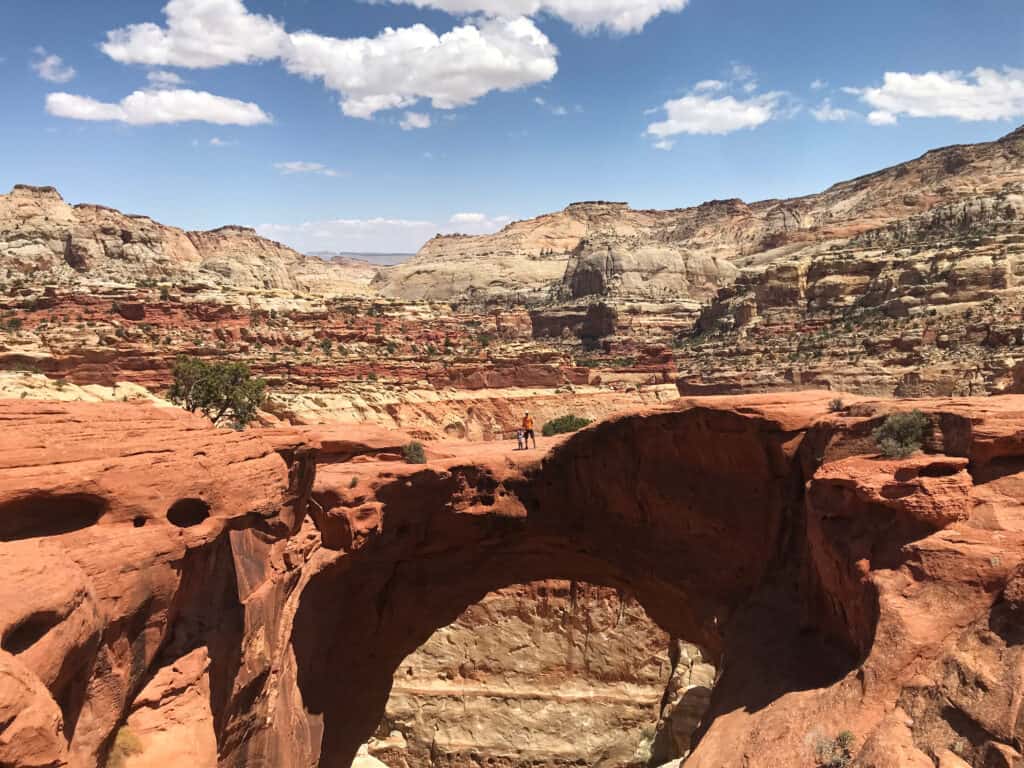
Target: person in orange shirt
{"x":528,"y":433}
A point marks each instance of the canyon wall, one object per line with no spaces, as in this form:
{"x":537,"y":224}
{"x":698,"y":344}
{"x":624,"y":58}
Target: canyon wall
{"x":608,"y":250}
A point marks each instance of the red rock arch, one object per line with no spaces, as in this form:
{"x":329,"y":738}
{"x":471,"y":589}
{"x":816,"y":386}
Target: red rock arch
{"x":699,"y":513}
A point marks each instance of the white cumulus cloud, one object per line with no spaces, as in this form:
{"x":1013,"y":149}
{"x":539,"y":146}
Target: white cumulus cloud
{"x":51,"y":67}
{"x":199,"y":33}
{"x":393,"y":70}
{"x":700,"y":114}
{"x":817,"y":85}
{"x":619,"y":16}
{"x":158,"y":107}
{"x":414,"y":120}
{"x":401,"y":66}
{"x":983,"y":94}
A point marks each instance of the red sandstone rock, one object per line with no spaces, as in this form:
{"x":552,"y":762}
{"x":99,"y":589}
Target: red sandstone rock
{"x":32,"y":733}
{"x":171,"y":722}
{"x":111,"y":518}
{"x":836,"y":595}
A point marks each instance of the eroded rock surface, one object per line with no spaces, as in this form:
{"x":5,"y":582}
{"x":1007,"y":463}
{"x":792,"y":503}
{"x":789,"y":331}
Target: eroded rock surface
{"x":833,"y":590}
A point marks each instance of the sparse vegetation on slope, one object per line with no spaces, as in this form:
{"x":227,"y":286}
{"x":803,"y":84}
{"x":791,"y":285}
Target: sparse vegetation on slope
{"x":902,"y":434}
{"x":564,"y":424}
{"x":834,"y":753}
{"x":217,"y":390}
{"x":414,"y":453}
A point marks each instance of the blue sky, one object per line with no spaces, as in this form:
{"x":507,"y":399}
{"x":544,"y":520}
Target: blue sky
{"x":340,"y":125}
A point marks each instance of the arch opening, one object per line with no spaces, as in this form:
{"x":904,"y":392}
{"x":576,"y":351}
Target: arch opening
{"x":547,"y":673}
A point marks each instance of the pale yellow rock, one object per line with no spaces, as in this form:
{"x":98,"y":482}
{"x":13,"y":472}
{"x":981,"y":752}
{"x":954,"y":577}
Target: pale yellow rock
{"x":44,"y":240}
{"x":506,"y":678}
{"x":36,"y":386}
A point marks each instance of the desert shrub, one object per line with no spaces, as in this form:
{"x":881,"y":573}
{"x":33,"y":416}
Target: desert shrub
{"x":834,"y":753}
{"x":414,"y":453}
{"x":564,"y":424}
{"x":901,"y":434}
{"x":126,"y":745}
{"x":217,"y":390}
{"x":836,"y":405}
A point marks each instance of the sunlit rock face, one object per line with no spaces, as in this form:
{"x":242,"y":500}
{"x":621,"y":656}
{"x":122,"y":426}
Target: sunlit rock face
{"x":550,"y":673}
{"x":164,"y":590}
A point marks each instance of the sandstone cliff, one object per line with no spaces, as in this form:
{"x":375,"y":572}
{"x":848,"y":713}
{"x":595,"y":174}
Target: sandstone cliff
{"x":46,"y":241}
{"x":611,"y":250}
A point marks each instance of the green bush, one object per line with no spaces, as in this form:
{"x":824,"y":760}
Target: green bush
{"x":217,"y":390}
{"x":834,"y":753}
{"x":564,"y":424}
{"x":414,"y":453}
{"x":901,"y":434}
{"x":836,"y":405}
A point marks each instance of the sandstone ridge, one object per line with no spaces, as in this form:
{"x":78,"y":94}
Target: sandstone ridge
{"x":601,"y":249}
{"x":44,"y":240}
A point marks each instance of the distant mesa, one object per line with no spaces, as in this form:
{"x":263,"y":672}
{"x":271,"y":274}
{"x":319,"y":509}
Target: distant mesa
{"x":375,"y":258}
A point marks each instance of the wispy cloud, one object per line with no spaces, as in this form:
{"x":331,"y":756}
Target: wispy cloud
{"x":719,"y":107}
{"x":478,"y":223}
{"x":826,"y":113}
{"x":555,"y":109}
{"x":299,"y":166}
{"x":51,"y":67}
{"x":414,"y":121}
{"x":159,"y":78}
{"x":380,"y":233}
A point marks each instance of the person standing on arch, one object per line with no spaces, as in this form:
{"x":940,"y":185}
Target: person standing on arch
{"x":528,"y":432}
